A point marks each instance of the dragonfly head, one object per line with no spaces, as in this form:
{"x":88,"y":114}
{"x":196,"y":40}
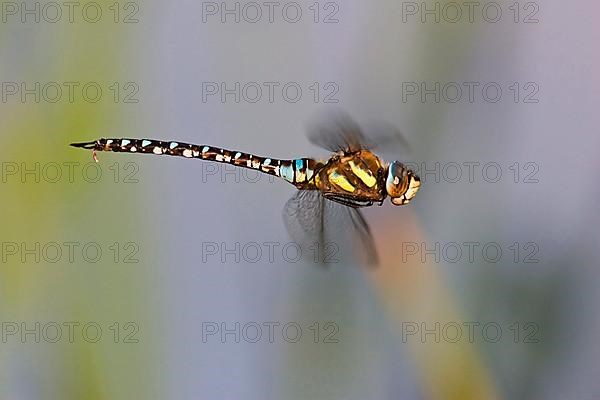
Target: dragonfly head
{"x":401,"y":184}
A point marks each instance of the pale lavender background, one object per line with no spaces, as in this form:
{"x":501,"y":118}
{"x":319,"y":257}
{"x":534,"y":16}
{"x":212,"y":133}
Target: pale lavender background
{"x":369,"y":53}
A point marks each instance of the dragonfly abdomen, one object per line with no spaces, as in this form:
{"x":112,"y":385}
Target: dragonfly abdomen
{"x":298,"y":172}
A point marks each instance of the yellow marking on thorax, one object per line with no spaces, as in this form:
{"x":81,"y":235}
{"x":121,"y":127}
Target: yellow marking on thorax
{"x":363,"y":175}
{"x":341,"y":181}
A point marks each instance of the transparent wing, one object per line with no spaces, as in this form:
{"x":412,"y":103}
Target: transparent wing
{"x":337,"y":131}
{"x":386,"y":139}
{"x":328,"y":232}
{"x":363,"y":235}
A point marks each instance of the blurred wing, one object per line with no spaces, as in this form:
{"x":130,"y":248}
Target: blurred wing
{"x":362,"y":233}
{"x":388,"y":140}
{"x":336,"y":131}
{"x":326,"y":231}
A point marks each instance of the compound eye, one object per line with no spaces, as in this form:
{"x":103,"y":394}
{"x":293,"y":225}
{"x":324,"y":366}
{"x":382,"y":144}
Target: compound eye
{"x":397,"y":180}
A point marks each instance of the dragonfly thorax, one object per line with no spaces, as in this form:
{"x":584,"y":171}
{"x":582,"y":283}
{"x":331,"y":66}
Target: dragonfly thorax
{"x":359,"y":174}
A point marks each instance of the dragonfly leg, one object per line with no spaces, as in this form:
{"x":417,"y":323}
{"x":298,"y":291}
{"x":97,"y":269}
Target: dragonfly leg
{"x":348,"y":200}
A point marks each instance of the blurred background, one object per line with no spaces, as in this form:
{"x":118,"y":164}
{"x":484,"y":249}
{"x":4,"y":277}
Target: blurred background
{"x":150,"y":277}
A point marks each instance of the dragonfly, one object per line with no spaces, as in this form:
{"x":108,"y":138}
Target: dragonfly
{"x":326,"y":208}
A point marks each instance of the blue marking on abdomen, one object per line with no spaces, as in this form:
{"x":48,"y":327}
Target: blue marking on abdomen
{"x":300,"y":174}
{"x":287,"y":173}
